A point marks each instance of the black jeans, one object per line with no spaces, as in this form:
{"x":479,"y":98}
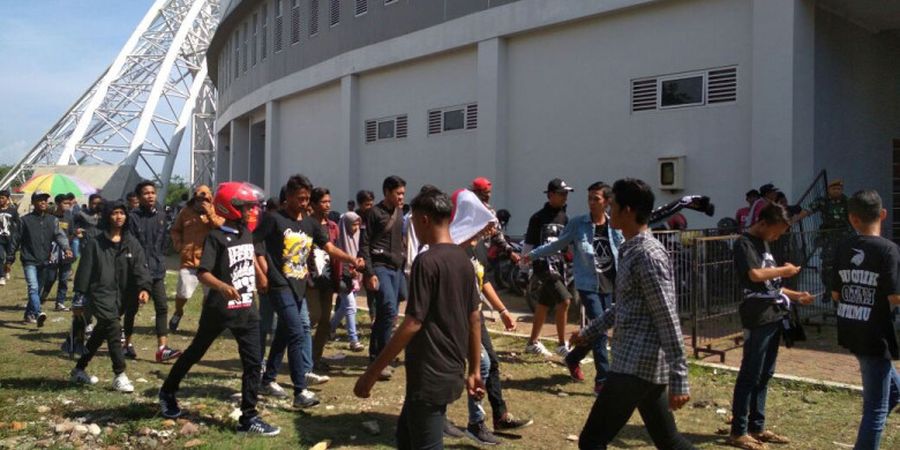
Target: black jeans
{"x":247,"y":337}
{"x":421,"y":426}
{"x":748,"y":406}
{"x":494,"y":389}
{"x":616,"y":403}
{"x":158,"y":293}
{"x":109,"y":331}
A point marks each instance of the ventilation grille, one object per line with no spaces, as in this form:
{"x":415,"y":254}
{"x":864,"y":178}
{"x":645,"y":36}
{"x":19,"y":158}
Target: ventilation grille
{"x":371,"y":131}
{"x":362,"y":6}
{"x":435,"y":121}
{"x":472,"y":116}
{"x":643,"y":95}
{"x":295,"y":23}
{"x":721,"y":85}
{"x":335,"y":12}
{"x":313,"y":17}
{"x":264,"y":34}
{"x":402,"y":127}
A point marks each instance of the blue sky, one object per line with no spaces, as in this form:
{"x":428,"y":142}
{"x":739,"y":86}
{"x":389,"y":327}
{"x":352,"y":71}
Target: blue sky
{"x":50,"y":52}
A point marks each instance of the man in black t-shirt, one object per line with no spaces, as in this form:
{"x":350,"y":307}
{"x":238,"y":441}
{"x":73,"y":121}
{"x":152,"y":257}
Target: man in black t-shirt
{"x":866,"y":285}
{"x":441,"y":330}
{"x":228,"y":267}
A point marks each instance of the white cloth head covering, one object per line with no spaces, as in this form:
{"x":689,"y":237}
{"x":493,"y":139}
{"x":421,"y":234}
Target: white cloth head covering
{"x":470,"y":216}
{"x":347,"y":241}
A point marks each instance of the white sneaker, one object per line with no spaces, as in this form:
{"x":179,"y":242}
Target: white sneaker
{"x":2,"y":281}
{"x":81,"y":377}
{"x":273,"y":389}
{"x":313,"y":379}
{"x":537,"y":348}
{"x":563,"y":350}
{"x":122,"y":384}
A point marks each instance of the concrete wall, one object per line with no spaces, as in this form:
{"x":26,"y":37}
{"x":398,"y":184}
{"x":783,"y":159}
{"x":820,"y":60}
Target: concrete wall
{"x":857,"y":104}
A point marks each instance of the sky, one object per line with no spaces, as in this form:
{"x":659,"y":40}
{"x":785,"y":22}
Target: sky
{"x":50,"y":53}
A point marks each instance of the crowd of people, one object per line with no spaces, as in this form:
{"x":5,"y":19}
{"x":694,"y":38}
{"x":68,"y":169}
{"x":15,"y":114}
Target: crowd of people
{"x":265,"y":265}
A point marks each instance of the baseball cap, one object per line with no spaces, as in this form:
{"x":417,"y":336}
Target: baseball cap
{"x":4,"y":193}
{"x":558,"y":185}
{"x":39,"y":195}
{"x":481,"y":184}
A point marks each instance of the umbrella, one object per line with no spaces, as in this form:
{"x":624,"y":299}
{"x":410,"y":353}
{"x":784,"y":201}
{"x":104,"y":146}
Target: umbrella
{"x":55,"y":184}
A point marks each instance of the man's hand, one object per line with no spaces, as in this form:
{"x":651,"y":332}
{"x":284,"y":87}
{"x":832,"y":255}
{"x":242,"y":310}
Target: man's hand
{"x":475,"y":386}
{"x":207,"y":208}
{"x":79,"y":233}
{"x":262,"y":284}
{"x":363,"y":387}
{"x":372,"y":283}
{"x":229,"y":292}
{"x":677,"y":401}
{"x":805,"y":298}
{"x":576,"y":340}
{"x":790,"y":270}
{"x":143,"y":297}
{"x":360,"y":264}
{"x":508,"y":322}
{"x":525,"y":260}
{"x":514,"y":257}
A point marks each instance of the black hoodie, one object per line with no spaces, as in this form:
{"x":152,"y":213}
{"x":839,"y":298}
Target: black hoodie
{"x":109,"y":271}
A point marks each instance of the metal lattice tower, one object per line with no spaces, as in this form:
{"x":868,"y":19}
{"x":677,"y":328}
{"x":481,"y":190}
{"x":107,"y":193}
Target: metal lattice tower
{"x":136,"y":113}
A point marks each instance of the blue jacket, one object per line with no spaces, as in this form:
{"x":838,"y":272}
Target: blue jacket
{"x":580,"y":233}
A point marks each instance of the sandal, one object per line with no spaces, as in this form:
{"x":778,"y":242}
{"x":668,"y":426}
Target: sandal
{"x":768,"y":436}
{"x":745,"y":442}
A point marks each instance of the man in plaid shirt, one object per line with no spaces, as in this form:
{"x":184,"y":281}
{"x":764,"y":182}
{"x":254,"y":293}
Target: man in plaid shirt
{"x":647,"y":347}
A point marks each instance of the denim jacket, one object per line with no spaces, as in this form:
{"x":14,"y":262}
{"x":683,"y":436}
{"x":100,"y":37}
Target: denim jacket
{"x":580,"y":233}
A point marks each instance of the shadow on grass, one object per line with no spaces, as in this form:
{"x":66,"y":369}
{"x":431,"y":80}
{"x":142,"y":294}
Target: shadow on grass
{"x":639,"y":432}
{"x":121,"y":414}
{"x":12,"y":384}
{"x":195,"y":391}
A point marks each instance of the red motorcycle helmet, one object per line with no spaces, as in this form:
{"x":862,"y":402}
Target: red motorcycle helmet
{"x":231,"y":196}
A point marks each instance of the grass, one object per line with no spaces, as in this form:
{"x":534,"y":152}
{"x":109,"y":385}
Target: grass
{"x":36,"y":393}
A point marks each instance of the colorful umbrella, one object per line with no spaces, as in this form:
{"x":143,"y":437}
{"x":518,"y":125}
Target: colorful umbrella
{"x":55,"y":184}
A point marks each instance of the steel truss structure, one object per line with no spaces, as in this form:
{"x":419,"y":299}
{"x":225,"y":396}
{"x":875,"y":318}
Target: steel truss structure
{"x":136,"y":113}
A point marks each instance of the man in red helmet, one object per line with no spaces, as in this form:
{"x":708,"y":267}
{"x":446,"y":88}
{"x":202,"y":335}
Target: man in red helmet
{"x":229,"y":269}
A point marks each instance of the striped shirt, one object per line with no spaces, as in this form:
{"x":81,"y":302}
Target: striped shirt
{"x":647,"y":342}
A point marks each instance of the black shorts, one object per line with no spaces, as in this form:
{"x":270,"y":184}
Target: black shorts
{"x":552,"y":291}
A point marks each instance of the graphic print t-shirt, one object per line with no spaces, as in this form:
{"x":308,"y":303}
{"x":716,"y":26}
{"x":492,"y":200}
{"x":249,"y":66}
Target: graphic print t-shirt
{"x":8,"y":218}
{"x":603,"y":259}
{"x":866,"y":272}
{"x":288,"y":243}
{"x":764,"y":302}
{"x":228,"y":255}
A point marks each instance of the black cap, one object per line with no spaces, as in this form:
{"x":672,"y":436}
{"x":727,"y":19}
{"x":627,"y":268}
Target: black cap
{"x":558,"y":185}
{"x":39,"y":195}
{"x":767,"y":189}
{"x":4,"y":193}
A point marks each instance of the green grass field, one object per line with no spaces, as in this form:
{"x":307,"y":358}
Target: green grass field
{"x":35,"y":397}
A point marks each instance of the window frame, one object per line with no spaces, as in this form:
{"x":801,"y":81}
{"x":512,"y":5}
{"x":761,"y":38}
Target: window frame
{"x":383,"y":119}
{"x":659,"y":89}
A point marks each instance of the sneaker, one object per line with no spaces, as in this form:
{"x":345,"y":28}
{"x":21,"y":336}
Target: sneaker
{"x":2,"y":281}
{"x":88,"y":330}
{"x":356,"y":347}
{"x":313,"y":379}
{"x":122,"y":384}
{"x":258,"y":426}
{"x":168,"y":405}
{"x":508,"y":422}
{"x":41,"y":318}
{"x":563,"y":350}
{"x":452,"y":431}
{"x":386,"y":374}
{"x":575,"y":371}
{"x":479,"y":433}
{"x":61,"y":307}
{"x":166,"y":353}
{"x":129,"y":351}
{"x":537,"y":348}
{"x":174,"y":321}
{"x":29,"y":319}
{"x":273,"y":389}
{"x":305,"y":399}
{"x":79,"y":376}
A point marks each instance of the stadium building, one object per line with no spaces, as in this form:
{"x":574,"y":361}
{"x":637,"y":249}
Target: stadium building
{"x":698,"y":96}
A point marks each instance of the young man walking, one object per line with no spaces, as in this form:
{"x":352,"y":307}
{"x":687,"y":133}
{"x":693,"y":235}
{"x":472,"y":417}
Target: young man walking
{"x":61,"y":270}
{"x":40,"y":232}
{"x":228,"y":267}
{"x":9,"y":233}
{"x":648,"y":360}
{"x":148,"y":225}
{"x":866,"y":286}
{"x":440,"y":332}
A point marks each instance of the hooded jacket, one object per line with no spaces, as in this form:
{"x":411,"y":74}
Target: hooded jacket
{"x":148,"y":226}
{"x":191,"y":226}
{"x":36,"y":238}
{"x":109,"y":271}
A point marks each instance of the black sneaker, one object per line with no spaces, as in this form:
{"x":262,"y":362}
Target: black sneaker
{"x":508,"y":422}
{"x":174,"y":322}
{"x":258,"y":426}
{"x":129,"y":351}
{"x":452,"y":431}
{"x":479,"y":433}
{"x":168,"y":405}
{"x":41,"y":318}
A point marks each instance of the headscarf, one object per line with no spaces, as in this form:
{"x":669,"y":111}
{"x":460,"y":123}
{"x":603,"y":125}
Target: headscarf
{"x":348,"y":241}
{"x":470,"y":217}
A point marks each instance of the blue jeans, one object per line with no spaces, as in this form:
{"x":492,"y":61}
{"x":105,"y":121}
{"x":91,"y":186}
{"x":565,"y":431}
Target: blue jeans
{"x":476,"y":411}
{"x":346,"y":308}
{"x":62,"y":282}
{"x":34,"y":278}
{"x":385,"y":301}
{"x":291,"y":333}
{"x":76,"y":247}
{"x":266,"y":322}
{"x":881,"y":393}
{"x":757,"y":367}
{"x":595,"y":304}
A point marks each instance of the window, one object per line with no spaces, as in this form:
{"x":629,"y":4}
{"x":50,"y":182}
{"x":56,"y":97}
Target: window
{"x":237,"y":53}
{"x":264,"y":33}
{"x":386,"y":128}
{"x":335,"y":12}
{"x":253,"y":47}
{"x":295,"y":21}
{"x":681,"y":91}
{"x":279,"y":27}
{"x":464,"y":117}
{"x":313,"y":17}
{"x":245,"y":54}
